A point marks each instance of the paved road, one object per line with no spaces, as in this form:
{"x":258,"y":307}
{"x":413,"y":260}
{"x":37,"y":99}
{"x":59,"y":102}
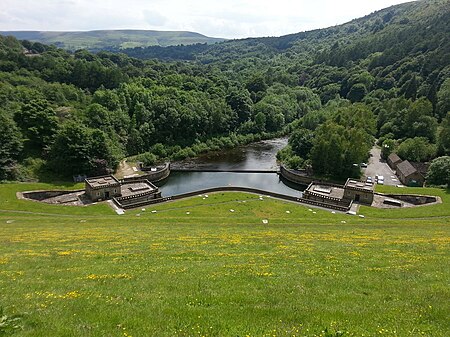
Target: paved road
{"x":377,"y":166}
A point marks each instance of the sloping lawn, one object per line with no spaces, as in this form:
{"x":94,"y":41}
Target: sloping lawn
{"x":85,"y":271}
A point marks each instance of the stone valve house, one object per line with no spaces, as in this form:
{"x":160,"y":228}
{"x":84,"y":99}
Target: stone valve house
{"x":102,"y":188}
{"x":359,"y":191}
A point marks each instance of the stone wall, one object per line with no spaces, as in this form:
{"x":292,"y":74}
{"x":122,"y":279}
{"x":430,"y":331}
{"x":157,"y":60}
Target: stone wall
{"x":161,"y":174}
{"x":298,"y":177}
{"x":364,"y":196}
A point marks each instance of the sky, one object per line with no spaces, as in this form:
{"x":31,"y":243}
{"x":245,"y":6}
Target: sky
{"x":215,"y":18}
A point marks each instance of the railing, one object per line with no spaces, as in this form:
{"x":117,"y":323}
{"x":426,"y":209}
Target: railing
{"x":321,"y":196}
{"x":342,"y":208}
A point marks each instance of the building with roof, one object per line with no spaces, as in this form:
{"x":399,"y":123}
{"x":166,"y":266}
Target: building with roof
{"x":126,"y":194}
{"x":359,"y":191}
{"x":102,"y":188}
{"x":337,"y":196}
{"x":408,"y":174}
{"x":393,"y":160}
{"x":137,"y":193}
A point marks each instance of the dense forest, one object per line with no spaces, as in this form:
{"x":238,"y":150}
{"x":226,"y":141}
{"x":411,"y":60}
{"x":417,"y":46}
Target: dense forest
{"x":385,"y":76}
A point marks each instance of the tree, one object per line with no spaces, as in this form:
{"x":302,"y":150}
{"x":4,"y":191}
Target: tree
{"x":274,"y":118}
{"x":357,"y":92}
{"x":387,"y":147}
{"x":419,"y":120}
{"x":99,"y":117}
{"x":443,"y":99}
{"x":257,"y":87}
{"x":38,"y":122}
{"x":327,"y":153}
{"x":443,"y":141}
{"x":341,"y":143}
{"x":439,"y":171}
{"x":69,"y":154}
{"x":147,"y":159}
{"x":80,"y":150}
{"x":260,"y":121}
{"x":11,"y":146}
{"x":241,"y":103}
{"x":301,"y":142}
{"x":416,"y":149}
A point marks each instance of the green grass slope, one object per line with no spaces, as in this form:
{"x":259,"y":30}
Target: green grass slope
{"x":107,"y":39}
{"x":84,"y":271}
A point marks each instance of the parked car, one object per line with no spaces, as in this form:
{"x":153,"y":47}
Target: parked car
{"x":363,"y":165}
{"x":369,"y":180}
{"x":380,"y":180}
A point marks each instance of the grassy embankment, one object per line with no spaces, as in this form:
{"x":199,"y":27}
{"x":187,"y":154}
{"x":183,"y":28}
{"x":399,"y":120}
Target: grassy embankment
{"x":84,"y":271}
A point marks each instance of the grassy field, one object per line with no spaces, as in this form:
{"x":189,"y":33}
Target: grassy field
{"x":195,"y":268}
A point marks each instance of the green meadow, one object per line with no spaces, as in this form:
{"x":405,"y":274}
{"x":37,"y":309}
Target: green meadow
{"x":211,"y":267}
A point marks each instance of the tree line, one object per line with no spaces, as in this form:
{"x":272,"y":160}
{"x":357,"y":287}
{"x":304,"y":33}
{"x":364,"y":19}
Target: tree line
{"x":336,"y":90}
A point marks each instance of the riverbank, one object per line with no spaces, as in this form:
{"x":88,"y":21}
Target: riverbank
{"x":210,"y":147}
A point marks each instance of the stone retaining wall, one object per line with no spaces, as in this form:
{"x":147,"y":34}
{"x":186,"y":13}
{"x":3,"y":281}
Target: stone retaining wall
{"x":151,"y":176}
{"x":298,"y":177}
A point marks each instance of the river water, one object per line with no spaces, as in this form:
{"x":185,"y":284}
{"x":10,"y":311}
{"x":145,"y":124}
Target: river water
{"x":255,"y":156}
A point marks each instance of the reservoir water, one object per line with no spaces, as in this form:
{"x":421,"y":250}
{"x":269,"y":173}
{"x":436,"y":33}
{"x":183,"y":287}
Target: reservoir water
{"x":255,"y":156}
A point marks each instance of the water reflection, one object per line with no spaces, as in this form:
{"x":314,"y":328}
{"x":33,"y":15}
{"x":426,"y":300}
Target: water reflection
{"x":183,"y":182}
{"x":255,"y":156}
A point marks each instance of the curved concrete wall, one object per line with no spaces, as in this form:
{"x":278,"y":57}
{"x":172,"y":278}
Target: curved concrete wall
{"x":152,"y":176}
{"x":293,"y":176}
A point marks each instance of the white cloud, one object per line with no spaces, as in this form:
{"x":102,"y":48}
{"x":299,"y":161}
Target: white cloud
{"x":221,"y":18}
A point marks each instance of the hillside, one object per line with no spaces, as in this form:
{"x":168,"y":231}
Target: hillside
{"x":399,"y":30}
{"x":108,"y":39}
{"x":335,"y":90}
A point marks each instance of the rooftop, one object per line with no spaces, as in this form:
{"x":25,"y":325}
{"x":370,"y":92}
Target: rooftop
{"x":406,"y":168}
{"x":130,"y":189}
{"x":357,"y":184}
{"x":394,"y":158}
{"x":327,"y":191}
{"x":104,"y":181}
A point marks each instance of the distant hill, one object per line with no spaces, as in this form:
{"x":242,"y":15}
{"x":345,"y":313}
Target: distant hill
{"x":395,"y":32}
{"x":112,"y":39}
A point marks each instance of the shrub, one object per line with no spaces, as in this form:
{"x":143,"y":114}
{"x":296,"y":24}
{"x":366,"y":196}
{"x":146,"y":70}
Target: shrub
{"x":439,"y":171}
{"x":147,"y":158}
{"x":417,"y":149}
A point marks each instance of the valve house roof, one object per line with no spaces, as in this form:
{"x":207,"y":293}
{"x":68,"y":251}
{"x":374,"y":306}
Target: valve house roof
{"x":102,"y":182}
{"x":359,"y":185}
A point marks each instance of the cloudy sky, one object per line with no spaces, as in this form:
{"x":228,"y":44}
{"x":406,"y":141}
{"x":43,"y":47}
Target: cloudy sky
{"x":217,"y":18}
